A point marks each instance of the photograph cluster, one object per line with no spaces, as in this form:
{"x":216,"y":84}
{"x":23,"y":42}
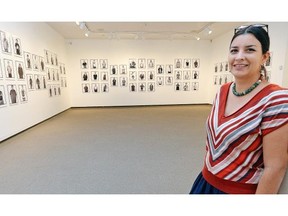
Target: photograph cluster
{"x":139,"y":75}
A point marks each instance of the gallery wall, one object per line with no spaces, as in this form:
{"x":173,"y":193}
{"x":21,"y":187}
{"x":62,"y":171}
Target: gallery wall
{"x":188,"y":74}
{"x":31,"y":102}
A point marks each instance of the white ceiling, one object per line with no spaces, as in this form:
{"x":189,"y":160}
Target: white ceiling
{"x":144,"y":30}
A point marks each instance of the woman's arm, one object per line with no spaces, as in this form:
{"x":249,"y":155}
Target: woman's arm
{"x":275,"y":154}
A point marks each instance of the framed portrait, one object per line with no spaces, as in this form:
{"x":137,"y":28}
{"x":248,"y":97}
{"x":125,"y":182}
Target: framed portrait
{"x":132,"y":75}
{"x":216,"y":68}
{"x":168,"y":80}
{"x":103,"y":64}
{"x":178,"y":75}
{"x":177,"y":86}
{"x":5,"y":42}
{"x":186,"y":74}
{"x":142,"y":87}
{"x":47,"y":56}
{"x":105,"y":87}
{"x":42,"y":64}
{"x":37,"y":81}
{"x":113,"y":81}
{"x":178,"y":63}
{"x":23,"y":93}
{"x":85,"y":76}
{"x":151,"y":87}
{"x":123,"y":69}
{"x":95,"y":88}
{"x":51,"y":90}
{"x":12,"y":94}
{"x":104,"y":76}
{"x":160,"y":80}
{"x":44,"y":81}
{"x":151,"y":63}
{"x":132,"y":63}
{"x":169,"y":69}
{"x":150,"y":75}
{"x":215,"y":80}
{"x":195,"y":74}
{"x":187,"y":63}
{"x":28,"y":60}
{"x":113,"y":69}
{"x":19,"y":67}
{"x":160,"y":69}
{"x":226,"y":66}
{"x":133,"y":87}
{"x":142,"y":63}
{"x":35,"y":62}
{"x":30,"y":81}
{"x":196,"y":63}
{"x":93,"y":63}
{"x":195,"y":86}
{"x":123,"y":82}
{"x":94,"y":75}
{"x":84,"y":64}
{"x":17,"y":46}
{"x":186,"y":86}
{"x":3,"y":101}
{"x":142,"y":75}
{"x":85,"y":88}
{"x":9,"y":68}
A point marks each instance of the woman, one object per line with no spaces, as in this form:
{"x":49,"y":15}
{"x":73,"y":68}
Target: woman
{"x":247,"y":130}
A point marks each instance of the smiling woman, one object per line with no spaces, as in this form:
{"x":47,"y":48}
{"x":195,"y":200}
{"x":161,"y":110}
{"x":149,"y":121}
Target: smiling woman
{"x":247,"y":130}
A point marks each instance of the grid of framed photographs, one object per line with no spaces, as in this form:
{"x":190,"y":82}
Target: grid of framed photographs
{"x":139,"y":75}
{"x":22,"y":72}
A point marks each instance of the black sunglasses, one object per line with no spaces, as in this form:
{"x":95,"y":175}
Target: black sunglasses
{"x":264,"y":26}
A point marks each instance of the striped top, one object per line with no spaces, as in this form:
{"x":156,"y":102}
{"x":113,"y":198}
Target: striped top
{"x":234,"y":157}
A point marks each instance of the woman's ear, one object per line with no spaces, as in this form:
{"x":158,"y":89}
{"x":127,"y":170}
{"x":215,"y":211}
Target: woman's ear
{"x":265,"y":57}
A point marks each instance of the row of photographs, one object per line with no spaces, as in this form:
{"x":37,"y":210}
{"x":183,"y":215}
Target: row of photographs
{"x":10,"y":44}
{"x":140,"y":75}
{"x":140,"y":63}
{"x":138,"y":87}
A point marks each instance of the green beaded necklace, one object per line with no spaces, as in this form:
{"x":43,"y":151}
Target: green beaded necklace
{"x":247,"y":91}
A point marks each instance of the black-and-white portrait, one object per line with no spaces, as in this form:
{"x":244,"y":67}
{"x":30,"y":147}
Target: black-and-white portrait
{"x":5,"y":42}
{"x":23,"y":93}
{"x":187,"y":63}
{"x":12,"y":94}
{"x":17,"y":46}
{"x":169,"y":69}
{"x":123,"y":82}
{"x":42,"y":64}
{"x":35,"y":62}
{"x":168,"y":80}
{"x":123,"y":69}
{"x":186,"y":75}
{"x":178,"y":75}
{"x":30,"y":81}
{"x":113,"y":81}
{"x":113,"y":69}
{"x":37,"y":80}
{"x":133,"y":87}
{"x":177,"y":86}
{"x":19,"y":67}
{"x":142,"y":75}
{"x":178,"y":63}
{"x":95,"y":88}
{"x":2,"y":96}
{"x":160,"y":80}
{"x":141,"y":63}
{"x":84,"y":64}
{"x":93,"y":63}
{"x":104,"y":76}
{"x":85,"y":88}
{"x":9,"y":68}
{"x":151,"y":87}
{"x":195,"y":74}
{"x":151,"y":63}
{"x":196,"y":63}
{"x":103,"y":64}
{"x":142,"y":87}
{"x":132,"y":63}
{"x":85,"y":76}
{"x":151,"y":75}
{"x":195,"y":86}
{"x":105,"y":87}
{"x":186,"y":86}
{"x":94,"y":75}
{"x":160,"y":69}
{"x":28,"y":60}
{"x":1,"y":71}
{"x":132,"y":75}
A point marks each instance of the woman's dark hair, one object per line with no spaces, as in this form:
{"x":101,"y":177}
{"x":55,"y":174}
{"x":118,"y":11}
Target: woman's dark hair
{"x":260,"y":32}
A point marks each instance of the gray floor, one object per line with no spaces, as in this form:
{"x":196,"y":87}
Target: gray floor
{"x":120,"y":150}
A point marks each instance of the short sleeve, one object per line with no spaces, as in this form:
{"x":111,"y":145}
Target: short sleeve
{"x":275,"y":114}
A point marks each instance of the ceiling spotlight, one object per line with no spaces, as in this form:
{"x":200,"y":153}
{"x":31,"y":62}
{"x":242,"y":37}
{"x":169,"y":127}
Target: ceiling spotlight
{"x":209,"y":30}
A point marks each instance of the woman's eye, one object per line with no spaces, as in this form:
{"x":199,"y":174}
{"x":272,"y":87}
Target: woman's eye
{"x":233,"y":50}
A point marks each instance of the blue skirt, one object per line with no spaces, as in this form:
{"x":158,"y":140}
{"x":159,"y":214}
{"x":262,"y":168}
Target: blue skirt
{"x":201,"y":186}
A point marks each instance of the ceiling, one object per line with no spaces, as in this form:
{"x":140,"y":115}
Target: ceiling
{"x":143,"y":30}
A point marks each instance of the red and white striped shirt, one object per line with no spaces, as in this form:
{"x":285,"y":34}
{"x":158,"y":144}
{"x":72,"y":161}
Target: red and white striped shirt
{"x":234,"y":157}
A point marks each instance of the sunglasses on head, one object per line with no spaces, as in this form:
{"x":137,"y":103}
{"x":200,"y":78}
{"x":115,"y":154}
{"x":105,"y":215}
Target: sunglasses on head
{"x":264,"y":26}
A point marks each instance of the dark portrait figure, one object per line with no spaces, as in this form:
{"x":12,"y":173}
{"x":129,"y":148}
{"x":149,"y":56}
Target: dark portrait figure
{"x":5,"y":43}
{"x":1,"y":98}
{"x":13,"y":95}
{"x":20,"y":71}
{"x":17,"y":47}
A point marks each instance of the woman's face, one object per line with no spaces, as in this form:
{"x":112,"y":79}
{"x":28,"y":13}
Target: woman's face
{"x":245,"y":57}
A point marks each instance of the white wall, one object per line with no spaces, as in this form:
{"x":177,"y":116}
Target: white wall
{"x":119,"y":52}
{"x":35,"y":37}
